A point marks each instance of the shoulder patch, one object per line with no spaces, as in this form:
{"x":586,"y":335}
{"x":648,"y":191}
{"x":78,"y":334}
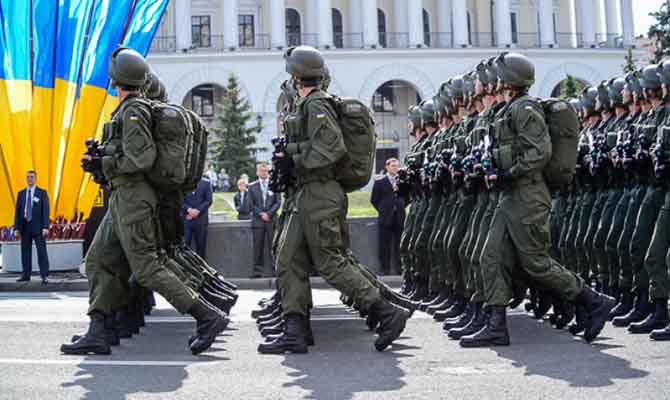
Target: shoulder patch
{"x":559,"y":106}
{"x":319,"y":115}
{"x":133,"y":118}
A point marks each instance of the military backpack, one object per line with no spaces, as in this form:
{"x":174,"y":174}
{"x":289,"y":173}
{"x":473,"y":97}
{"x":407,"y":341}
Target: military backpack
{"x":181,"y":147}
{"x":354,"y":170}
{"x":563,"y":125}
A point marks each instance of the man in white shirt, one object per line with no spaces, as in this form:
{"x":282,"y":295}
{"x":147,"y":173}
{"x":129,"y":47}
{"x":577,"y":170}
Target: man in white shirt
{"x":264,"y":206}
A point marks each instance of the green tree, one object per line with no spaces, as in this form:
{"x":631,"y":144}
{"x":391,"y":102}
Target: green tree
{"x":571,"y":87}
{"x":629,"y":62}
{"x":234,"y":146}
{"x":660,"y":31}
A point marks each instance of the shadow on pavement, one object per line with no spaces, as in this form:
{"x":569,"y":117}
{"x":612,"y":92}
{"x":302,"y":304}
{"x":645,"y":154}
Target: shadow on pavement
{"x":338,"y":366}
{"x":559,"y":355}
{"x":162,"y":342}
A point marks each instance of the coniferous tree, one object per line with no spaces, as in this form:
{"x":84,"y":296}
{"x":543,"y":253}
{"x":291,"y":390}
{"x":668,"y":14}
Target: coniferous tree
{"x":629,"y":62}
{"x":660,"y":32}
{"x":571,"y":87}
{"x":234,"y":146}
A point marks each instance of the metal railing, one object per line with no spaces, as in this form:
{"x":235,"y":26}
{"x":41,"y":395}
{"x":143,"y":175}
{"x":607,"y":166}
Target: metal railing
{"x":260,"y":41}
{"x":439,"y":40}
{"x":394,"y":40}
{"x":306,"y":39}
{"x":163,"y":44}
{"x":348,"y":40}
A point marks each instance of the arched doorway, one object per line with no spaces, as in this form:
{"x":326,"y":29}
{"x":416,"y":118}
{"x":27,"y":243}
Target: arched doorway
{"x":293,"y":27}
{"x":569,"y":87}
{"x":204,"y":100}
{"x":390,"y":103}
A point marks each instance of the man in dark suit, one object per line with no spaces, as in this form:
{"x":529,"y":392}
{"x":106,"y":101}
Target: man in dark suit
{"x":391,"y":209}
{"x":264,"y":206}
{"x":195,"y":211}
{"x":31,"y":223}
{"x":242,"y":202}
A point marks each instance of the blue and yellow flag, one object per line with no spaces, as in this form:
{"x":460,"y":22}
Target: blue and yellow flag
{"x":54,"y":89}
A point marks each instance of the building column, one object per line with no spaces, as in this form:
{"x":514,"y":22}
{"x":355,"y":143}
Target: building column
{"x":587,"y":22}
{"x":183,"y":25}
{"x":503,"y":23}
{"x":546,"y":13}
{"x":324,"y":18}
{"x":370,"y":33}
{"x":459,"y":15}
{"x":415,"y":23}
{"x":277,"y":24}
{"x":444,"y":24}
{"x":356,"y":24}
{"x":627,"y":23}
{"x":401,"y":17}
{"x":231,"y":35}
{"x":612,"y":22}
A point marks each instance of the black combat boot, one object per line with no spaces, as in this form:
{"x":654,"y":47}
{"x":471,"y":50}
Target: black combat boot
{"x":421,"y":291}
{"x":477,"y":322}
{"x":407,"y":287}
{"x":581,"y":318}
{"x":292,"y":340}
{"x":445,"y":305}
{"x":111,"y":332}
{"x":265,"y":311}
{"x":400,"y":300}
{"x":625,"y":304}
{"x":640,"y":311}
{"x":93,"y":342}
{"x":218,"y":300}
{"x":372,"y":321}
{"x":272,"y":322}
{"x":543,"y":305}
{"x":461,"y":320}
{"x":494,"y":333}
{"x":661,"y":334}
{"x":429,"y":301}
{"x":445,"y":294}
{"x":276,"y":313}
{"x":454,"y":311}
{"x":273,"y":329}
{"x":531,"y":304}
{"x":598,"y":307}
{"x":518,"y":295}
{"x":567,"y":314}
{"x":209,"y":323}
{"x":392,"y":322}
{"x":656,"y":320}
{"x":124,"y":322}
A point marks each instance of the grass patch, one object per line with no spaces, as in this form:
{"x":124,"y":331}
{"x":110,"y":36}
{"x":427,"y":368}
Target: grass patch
{"x":359,"y":205}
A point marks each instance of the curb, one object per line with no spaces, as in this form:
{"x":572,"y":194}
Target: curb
{"x":9,"y":284}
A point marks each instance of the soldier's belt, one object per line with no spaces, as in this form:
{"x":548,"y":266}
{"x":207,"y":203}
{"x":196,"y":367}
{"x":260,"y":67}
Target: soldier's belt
{"x":304,"y":180}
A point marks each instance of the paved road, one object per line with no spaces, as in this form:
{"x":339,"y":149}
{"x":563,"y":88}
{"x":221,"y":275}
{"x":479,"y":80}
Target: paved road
{"x":541,"y":364}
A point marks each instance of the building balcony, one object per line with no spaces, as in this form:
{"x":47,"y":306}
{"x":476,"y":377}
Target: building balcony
{"x":389,"y":40}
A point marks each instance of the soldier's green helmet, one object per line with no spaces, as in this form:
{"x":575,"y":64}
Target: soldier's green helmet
{"x":128,"y":68}
{"x":305,"y":63}
{"x":483,"y":74}
{"x":576,"y":104}
{"x":414,"y":115}
{"x":615,"y":91}
{"x":155,"y":90}
{"x":664,"y":72}
{"x":515,"y":70}
{"x":428,"y":112}
{"x":325,"y":83}
{"x":603,"y":96}
{"x":633,"y":82}
{"x":649,"y":78}
{"x":588,"y":99}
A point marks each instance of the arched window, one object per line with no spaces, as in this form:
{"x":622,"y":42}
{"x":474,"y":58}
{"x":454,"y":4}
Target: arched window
{"x":469,"y":29}
{"x":381,"y":27}
{"x":292,"y":27}
{"x":426,"y":28}
{"x":338,"y":39}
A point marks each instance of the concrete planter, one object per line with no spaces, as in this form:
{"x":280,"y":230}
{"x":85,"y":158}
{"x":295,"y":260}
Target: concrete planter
{"x":64,"y":255}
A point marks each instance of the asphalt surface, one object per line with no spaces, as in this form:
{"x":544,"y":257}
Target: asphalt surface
{"x":542,"y":363}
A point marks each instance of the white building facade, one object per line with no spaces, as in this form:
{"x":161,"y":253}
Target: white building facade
{"x":388,"y":53}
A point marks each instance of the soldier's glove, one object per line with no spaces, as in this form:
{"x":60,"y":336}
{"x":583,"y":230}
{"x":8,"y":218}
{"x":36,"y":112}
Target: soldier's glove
{"x":501,"y":178}
{"x":92,"y":165}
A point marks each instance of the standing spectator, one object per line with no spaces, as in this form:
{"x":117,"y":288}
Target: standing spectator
{"x":213,"y":178}
{"x":264,"y":206}
{"x":242,"y":202}
{"x":31,"y":223}
{"x":391,"y":209}
{"x":195,"y":211}
{"x":224,"y":180}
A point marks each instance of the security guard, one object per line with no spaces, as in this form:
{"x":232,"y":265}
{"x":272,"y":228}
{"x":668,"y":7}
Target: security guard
{"x":314,"y":233}
{"x":519,"y":231}
{"x":126,"y":240}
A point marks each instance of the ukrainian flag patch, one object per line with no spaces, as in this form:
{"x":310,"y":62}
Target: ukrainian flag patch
{"x":320,"y":115}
